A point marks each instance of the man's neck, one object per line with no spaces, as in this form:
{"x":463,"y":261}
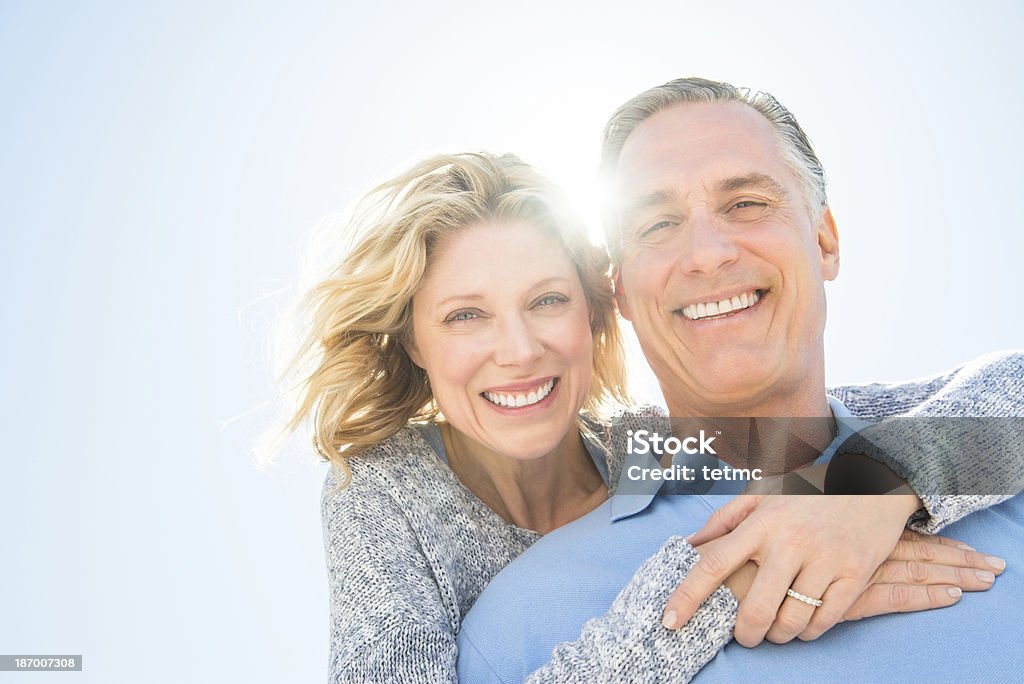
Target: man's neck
{"x":777,"y":435}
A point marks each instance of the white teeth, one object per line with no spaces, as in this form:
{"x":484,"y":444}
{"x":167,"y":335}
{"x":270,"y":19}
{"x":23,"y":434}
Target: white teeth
{"x":707,"y":309}
{"x":519,"y":400}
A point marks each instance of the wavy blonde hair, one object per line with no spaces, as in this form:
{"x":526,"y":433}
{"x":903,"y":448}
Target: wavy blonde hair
{"x":352,"y":373}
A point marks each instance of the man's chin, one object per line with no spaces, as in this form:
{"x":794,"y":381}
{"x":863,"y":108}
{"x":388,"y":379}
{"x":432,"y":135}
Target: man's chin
{"x":723,"y":385}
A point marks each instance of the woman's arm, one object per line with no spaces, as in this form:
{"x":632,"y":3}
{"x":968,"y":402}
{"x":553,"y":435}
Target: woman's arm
{"x":629,"y":644}
{"x":971,"y":461}
{"x":388,"y":622}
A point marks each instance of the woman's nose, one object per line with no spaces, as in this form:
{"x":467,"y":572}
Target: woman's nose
{"x":517,"y":344}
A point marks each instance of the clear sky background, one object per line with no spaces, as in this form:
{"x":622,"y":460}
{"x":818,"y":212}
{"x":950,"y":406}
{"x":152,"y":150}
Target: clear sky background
{"x":163,"y":166}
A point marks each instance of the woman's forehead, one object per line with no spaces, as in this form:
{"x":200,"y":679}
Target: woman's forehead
{"x":499,"y":254}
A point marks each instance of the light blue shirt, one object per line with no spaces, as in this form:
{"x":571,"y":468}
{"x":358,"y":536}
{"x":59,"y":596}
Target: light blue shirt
{"x":574,"y":573}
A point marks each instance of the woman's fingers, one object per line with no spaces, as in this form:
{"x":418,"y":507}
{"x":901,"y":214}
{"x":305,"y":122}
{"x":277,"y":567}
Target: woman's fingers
{"x":759,"y":608}
{"x":718,"y":559}
{"x":725,"y":519}
{"x":907,"y":585}
{"x":880,"y":599}
{"x":838,"y":599}
{"x":794,"y":615}
{"x":829,"y":553}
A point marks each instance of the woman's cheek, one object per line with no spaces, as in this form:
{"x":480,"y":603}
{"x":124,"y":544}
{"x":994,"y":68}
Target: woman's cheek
{"x":464,"y":356}
{"x":577,"y":342}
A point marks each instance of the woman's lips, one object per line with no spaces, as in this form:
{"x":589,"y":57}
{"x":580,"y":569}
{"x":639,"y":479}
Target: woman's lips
{"x":522,"y":395}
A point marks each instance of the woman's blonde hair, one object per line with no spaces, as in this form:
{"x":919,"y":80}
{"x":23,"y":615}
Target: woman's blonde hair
{"x":353,"y":374}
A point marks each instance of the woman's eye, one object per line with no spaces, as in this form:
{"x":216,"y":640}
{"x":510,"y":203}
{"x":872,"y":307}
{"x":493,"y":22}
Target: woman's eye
{"x":461,"y":316}
{"x":548,"y":300}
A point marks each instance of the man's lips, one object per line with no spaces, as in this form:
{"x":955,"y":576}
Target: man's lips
{"x":522,"y":394}
{"x":718,"y":306}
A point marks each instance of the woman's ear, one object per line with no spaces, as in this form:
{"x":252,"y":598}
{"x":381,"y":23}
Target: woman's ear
{"x":620,"y":297}
{"x":413,"y":351}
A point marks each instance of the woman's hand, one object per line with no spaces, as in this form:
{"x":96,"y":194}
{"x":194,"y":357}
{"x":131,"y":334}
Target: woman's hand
{"x":914,"y":577}
{"x":828,"y":547}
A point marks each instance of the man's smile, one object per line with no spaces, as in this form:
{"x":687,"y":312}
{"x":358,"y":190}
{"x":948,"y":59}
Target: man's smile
{"x":721,"y":307}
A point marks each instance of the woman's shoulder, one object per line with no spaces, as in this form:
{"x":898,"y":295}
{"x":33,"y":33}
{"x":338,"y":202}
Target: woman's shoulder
{"x":606,"y":424}
{"x":649,"y":416}
{"x":605,"y":431}
{"x":396,"y":466}
{"x":396,"y":493}
{"x":613,"y":431}
{"x":641,"y":411}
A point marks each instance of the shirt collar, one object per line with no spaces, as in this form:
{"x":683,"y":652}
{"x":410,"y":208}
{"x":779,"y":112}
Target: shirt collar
{"x":627,"y":505}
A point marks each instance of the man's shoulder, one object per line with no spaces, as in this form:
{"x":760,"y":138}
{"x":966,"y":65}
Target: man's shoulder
{"x":993,"y":383}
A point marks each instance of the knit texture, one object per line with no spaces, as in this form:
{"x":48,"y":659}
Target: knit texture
{"x":628,"y":644}
{"x":409,"y":549}
{"x":965,"y":459}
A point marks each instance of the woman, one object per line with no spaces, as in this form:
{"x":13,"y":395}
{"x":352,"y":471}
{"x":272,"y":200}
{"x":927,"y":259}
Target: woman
{"x":461,"y":356}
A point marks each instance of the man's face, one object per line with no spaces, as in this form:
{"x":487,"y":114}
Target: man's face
{"x":713,"y":220}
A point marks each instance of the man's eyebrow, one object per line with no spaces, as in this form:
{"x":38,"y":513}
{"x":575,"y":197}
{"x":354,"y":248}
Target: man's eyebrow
{"x":753,"y":180}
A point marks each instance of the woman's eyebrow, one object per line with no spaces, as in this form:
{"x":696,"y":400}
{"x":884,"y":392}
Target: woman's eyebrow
{"x":463,"y":298}
{"x":474,"y":297}
{"x":550,"y":280}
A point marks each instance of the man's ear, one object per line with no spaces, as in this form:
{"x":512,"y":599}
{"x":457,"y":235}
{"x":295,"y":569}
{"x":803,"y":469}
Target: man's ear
{"x":620,"y":296}
{"x":828,"y":245}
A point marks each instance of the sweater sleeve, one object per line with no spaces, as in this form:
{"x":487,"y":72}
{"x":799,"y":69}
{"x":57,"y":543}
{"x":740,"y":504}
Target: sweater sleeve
{"x":956,"y":466}
{"x":388,"y":622}
{"x":628,"y":643}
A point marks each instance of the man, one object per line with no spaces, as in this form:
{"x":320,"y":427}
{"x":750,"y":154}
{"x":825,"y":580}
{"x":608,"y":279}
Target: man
{"x":723,"y":239}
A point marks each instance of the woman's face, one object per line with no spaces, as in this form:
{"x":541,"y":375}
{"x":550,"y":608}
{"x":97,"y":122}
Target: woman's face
{"x":501,"y":327}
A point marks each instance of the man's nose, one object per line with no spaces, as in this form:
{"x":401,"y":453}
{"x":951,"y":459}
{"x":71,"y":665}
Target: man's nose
{"x":518,"y":344}
{"x":706,"y":247}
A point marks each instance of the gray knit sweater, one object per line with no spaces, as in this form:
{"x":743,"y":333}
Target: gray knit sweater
{"x":409,"y":549}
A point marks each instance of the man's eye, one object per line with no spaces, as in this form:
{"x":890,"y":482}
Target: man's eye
{"x":747,"y":210}
{"x":650,"y":230}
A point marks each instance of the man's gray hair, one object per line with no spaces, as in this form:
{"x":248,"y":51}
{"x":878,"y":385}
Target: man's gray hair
{"x":793,"y":143}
